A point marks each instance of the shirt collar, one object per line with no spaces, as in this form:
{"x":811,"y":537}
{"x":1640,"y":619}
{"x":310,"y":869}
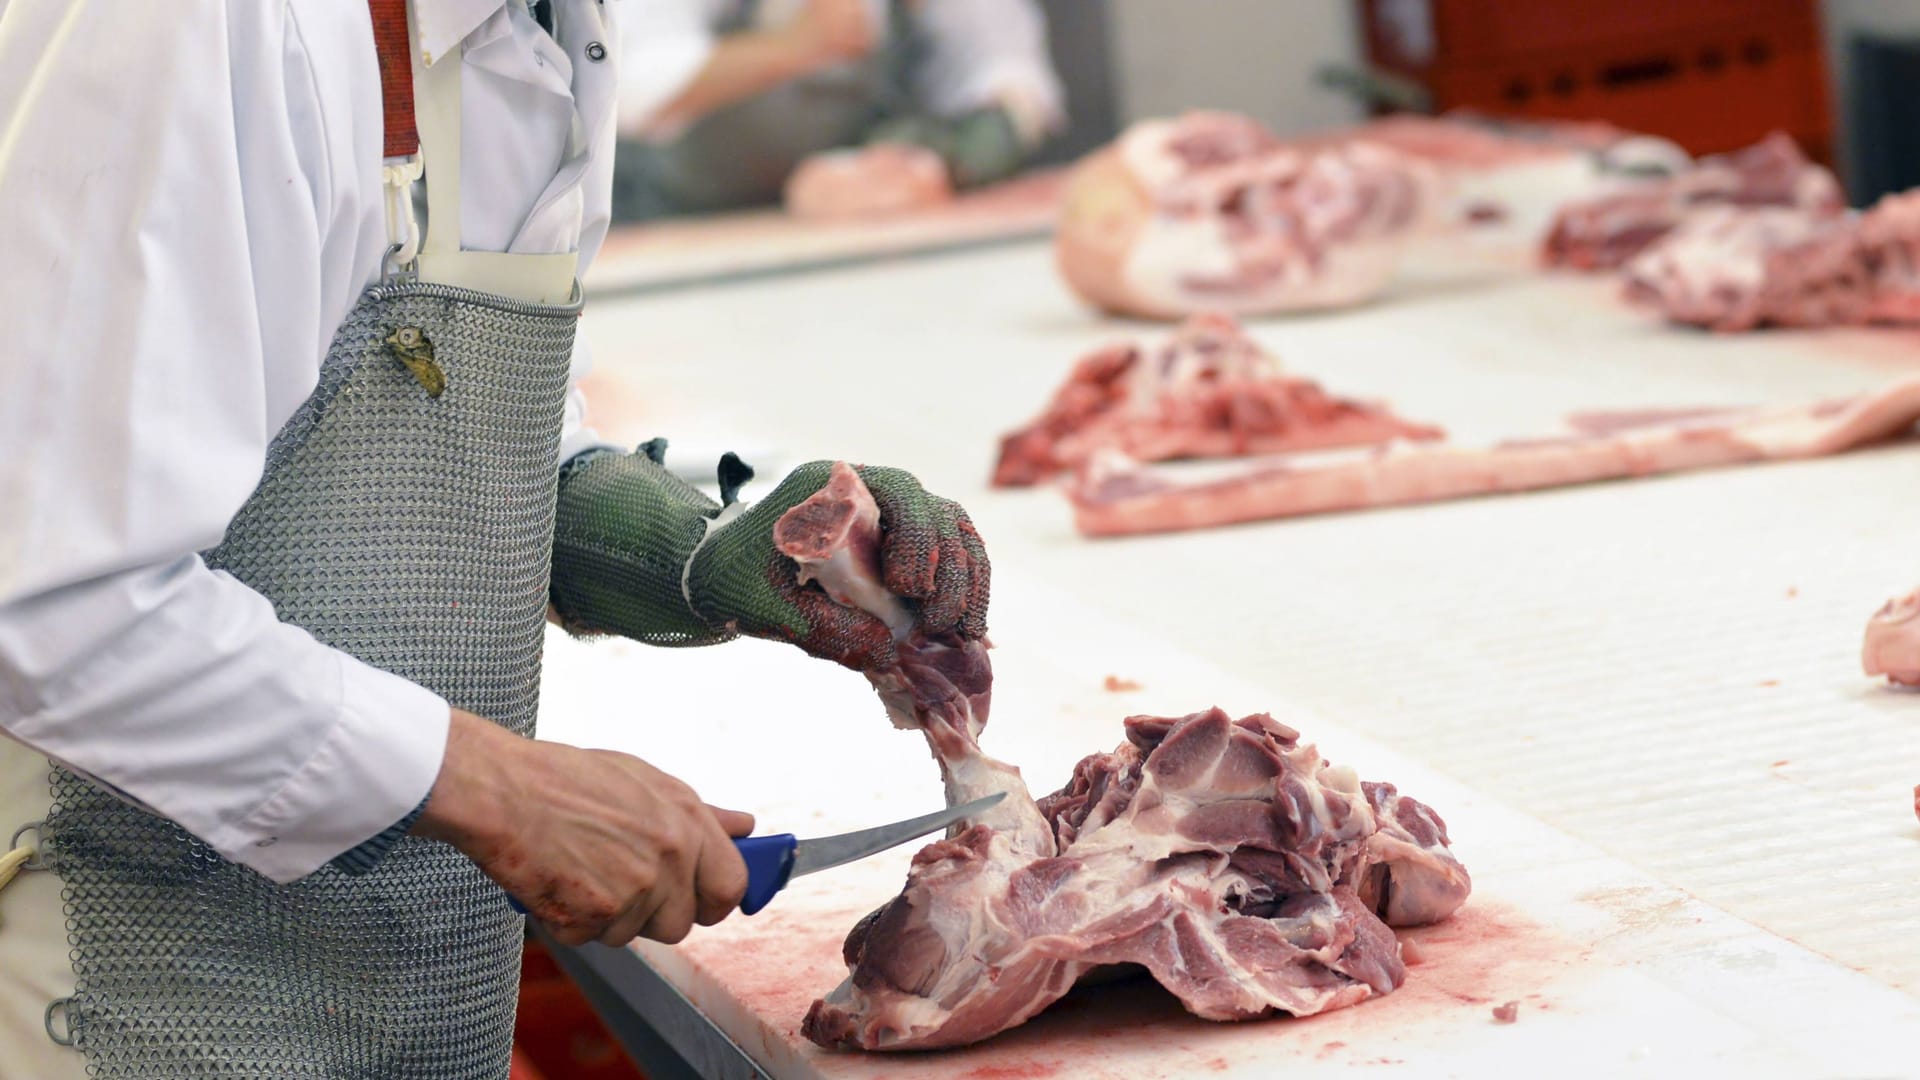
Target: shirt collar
{"x":443,"y":24}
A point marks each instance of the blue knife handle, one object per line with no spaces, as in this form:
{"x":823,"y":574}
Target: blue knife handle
{"x":769,"y":863}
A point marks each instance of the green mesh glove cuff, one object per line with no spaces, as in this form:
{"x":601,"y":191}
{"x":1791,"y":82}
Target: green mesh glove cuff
{"x":623,"y":532}
{"x":979,"y":147}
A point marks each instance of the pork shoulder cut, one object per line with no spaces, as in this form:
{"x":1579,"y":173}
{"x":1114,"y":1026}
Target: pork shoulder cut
{"x":1207,"y":391}
{"x":1211,"y":212}
{"x":1234,"y":864}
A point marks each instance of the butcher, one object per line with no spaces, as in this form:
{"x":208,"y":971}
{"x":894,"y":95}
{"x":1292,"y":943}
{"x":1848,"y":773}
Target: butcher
{"x":290,"y":482}
{"x":720,"y":100}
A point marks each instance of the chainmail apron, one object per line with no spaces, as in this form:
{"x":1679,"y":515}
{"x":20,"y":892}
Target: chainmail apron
{"x":413,"y":532}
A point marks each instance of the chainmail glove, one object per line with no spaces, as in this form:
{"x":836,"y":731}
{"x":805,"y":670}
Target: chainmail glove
{"x":930,"y":554}
{"x":623,"y":531}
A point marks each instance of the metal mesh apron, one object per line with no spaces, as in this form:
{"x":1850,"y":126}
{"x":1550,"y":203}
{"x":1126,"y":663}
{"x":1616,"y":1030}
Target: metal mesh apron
{"x":413,"y":532}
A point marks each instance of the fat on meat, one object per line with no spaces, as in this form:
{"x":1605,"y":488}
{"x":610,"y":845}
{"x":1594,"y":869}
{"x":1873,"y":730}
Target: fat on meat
{"x":1735,"y":268}
{"x":1606,"y":231}
{"x":1513,"y":173}
{"x":1892,"y":646}
{"x":1212,"y":212}
{"x":1224,"y":857}
{"x":1114,"y":496}
{"x":868,"y":182}
{"x":1207,"y":391}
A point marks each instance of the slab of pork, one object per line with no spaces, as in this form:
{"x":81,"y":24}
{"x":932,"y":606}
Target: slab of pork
{"x":1212,"y":212}
{"x":1735,"y":268}
{"x":1234,"y":864}
{"x":1114,"y":497}
{"x":1208,"y":391}
{"x":1604,"y":232}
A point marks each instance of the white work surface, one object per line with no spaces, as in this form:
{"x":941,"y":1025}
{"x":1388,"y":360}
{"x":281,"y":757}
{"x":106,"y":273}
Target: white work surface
{"x":1638,"y":705}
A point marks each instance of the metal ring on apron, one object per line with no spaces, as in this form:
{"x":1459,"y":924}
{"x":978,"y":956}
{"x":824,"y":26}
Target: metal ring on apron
{"x":39,"y":859}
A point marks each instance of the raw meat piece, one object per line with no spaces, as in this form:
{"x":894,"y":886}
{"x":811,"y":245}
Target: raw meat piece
{"x":942,"y":683}
{"x":1889,"y":237}
{"x":1114,"y":496}
{"x":1211,"y":212}
{"x":1514,"y":173}
{"x":1233,"y":863}
{"x":1892,"y":647}
{"x":1506,"y":1012}
{"x":1208,"y":391}
{"x":876,"y":181}
{"x":1603,"y":233}
{"x":1733,"y":268}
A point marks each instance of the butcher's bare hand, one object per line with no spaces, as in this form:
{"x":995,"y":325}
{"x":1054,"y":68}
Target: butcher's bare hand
{"x":835,"y":31}
{"x":599,"y":846}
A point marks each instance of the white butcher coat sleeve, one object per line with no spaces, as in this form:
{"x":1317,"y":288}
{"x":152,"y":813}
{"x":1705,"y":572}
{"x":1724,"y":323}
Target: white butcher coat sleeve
{"x":173,"y":262}
{"x":989,"y":52}
{"x":665,"y":43}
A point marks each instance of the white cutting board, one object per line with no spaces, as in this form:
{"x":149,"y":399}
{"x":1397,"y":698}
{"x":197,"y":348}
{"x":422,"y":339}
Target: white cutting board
{"x":1687,"y":816}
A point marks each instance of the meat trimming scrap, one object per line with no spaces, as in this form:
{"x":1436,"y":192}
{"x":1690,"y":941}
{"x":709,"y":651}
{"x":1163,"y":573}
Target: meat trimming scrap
{"x":1232,"y":862}
{"x":1114,"y":496}
{"x":1208,"y":391}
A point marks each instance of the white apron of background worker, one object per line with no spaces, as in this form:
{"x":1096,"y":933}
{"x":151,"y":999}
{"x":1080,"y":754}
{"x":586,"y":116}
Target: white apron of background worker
{"x":214,"y":260}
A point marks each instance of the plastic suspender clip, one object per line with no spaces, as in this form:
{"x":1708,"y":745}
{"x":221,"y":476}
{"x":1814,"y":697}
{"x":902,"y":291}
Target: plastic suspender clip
{"x":400,"y":147}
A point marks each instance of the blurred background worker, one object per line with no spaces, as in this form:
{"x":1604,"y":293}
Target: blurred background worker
{"x":721,"y":99}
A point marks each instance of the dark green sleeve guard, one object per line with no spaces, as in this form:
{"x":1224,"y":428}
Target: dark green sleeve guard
{"x":623,"y":532}
{"x":979,"y":147}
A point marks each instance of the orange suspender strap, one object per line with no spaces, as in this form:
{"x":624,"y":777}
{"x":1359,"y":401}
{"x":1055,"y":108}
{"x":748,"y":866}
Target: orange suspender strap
{"x":396,"y":77}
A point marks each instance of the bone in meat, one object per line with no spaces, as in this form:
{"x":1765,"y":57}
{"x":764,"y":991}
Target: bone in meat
{"x":1234,"y":864}
{"x":1208,"y":391}
{"x":1115,"y":497}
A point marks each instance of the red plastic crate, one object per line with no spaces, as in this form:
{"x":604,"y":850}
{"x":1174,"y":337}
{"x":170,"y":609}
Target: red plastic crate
{"x":1711,"y":75}
{"x":556,"y":1034}
{"x":1491,"y":31}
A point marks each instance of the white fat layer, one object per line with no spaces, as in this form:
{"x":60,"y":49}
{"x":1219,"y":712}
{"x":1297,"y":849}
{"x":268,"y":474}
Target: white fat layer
{"x":1143,"y":150}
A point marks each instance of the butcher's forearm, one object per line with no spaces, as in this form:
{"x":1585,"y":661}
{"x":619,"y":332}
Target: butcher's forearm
{"x":180,"y":688}
{"x":741,"y":66}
